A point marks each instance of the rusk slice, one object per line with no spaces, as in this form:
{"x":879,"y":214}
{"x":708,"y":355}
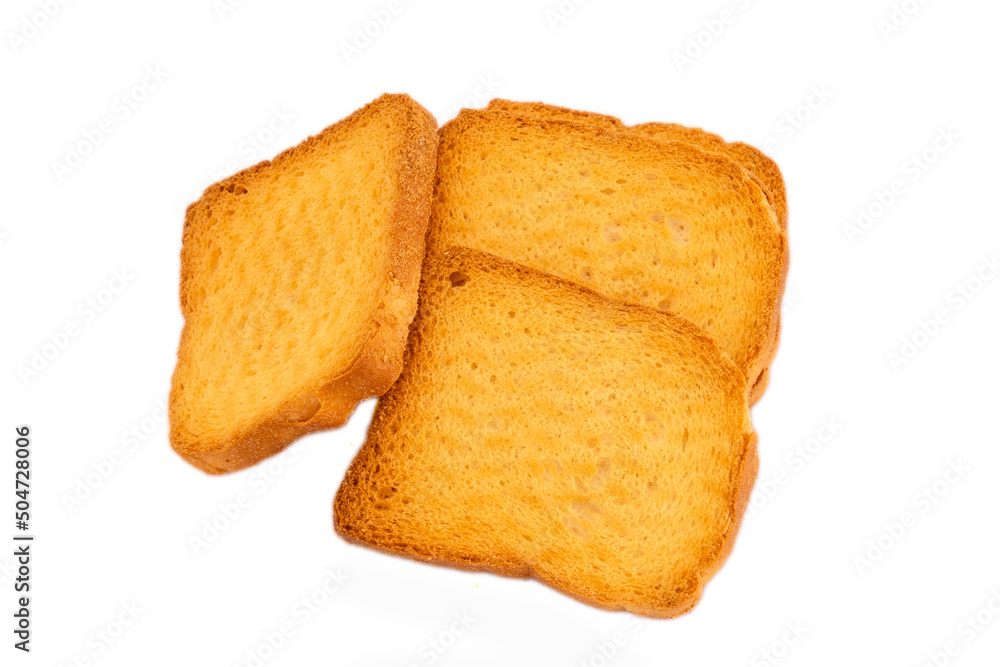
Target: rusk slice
{"x":539,"y":429}
{"x":665,"y":224}
{"x":762,"y":169}
{"x":299,"y":280}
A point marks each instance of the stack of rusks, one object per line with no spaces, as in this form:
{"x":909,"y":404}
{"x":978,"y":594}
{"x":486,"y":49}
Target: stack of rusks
{"x":566,"y":319}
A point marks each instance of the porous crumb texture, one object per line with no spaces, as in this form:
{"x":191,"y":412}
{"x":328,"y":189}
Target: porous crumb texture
{"x":665,"y":224}
{"x":539,"y":429}
{"x":760,"y":168}
{"x":298,"y":283}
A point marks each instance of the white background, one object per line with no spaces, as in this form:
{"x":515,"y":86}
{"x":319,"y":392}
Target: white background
{"x":848,"y":306}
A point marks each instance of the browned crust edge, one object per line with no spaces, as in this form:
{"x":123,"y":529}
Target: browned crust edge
{"x":761,"y":356}
{"x":766,"y":173}
{"x":381,"y":358}
{"x":744,"y":478}
{"x":551,"y":111}
{"x":761,"y":169}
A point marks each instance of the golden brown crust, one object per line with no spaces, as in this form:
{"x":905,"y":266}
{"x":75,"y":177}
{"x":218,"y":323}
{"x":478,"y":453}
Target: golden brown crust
{"x":761,"y":169}
{"x":768,"y":171}
{"x":758,"y":358}
{"x":763,"y":377}
{"x":556,"y":113}
{"x":380,"y":359}
{"x":746,"y":478}
{"x":767,"y":175}
{"x":346,"y":501}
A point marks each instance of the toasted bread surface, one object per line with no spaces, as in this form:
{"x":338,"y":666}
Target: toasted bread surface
{"x":762,"y":169}
{"x":760,"y":166}
{"x":660,"y":223}
{"x":299,"y":278}
{"x":752,"y":159}
{"x":539,"y":429}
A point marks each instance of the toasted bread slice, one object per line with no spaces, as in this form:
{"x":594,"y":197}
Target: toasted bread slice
{"x":299,"y":280}
{"x":762,"y":169}
{"x":539,"y":429}
{"x":660,"y":223}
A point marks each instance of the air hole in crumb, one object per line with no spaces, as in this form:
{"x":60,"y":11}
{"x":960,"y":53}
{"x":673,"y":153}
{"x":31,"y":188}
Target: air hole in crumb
{"x":586,"y":510}
{"x":213,"y":262}
{"x":679,"y":228}
{"x":608,"y":191}
{"x":664,"y":304}
{"x":613,"y":233}
{"x":458,"y":278}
